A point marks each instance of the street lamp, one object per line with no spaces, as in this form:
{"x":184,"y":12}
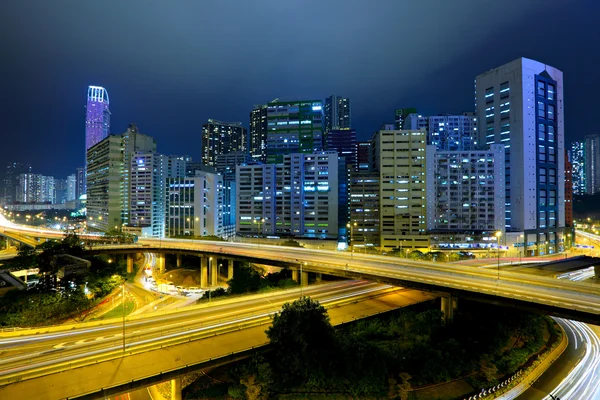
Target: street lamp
{"x":521,"y":249}
{"x":210,"y":269}
{"x":498,"y":234}
{"x":123,"y":300}
{"x":351,"y":226}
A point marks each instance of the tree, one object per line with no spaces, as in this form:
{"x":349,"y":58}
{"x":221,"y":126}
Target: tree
{"x":415,"y":255}
{"x":245,"y":279}
{"x":302,"y":339}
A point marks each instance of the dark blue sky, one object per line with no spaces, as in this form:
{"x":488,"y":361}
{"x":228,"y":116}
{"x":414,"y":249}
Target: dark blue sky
{"x":168,"y":66}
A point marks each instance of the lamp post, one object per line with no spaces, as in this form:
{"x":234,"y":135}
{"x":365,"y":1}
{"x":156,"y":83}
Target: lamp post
{"x":210,"y":269}
{"x":123,"y":300}
{"x":522,"y":248}
{"x":351,"y":226}
{"x":498,"y":234}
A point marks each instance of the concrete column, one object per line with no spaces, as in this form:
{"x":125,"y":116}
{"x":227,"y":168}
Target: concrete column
{"x":447,"y":308}
{"x":319,"y":277}
{"x":304,"y":278}
{"x":160,"y":262}
{"x":203,"y":272}
{"x":295,"y":275}
{"x":454,"y":304}
{"x":597,"y":271}
{"x":176,"y":389}
{"x":229,"y":269}
{"x":178,"y":260}
{"x":129,"y":263}
{"x":214,"y":272}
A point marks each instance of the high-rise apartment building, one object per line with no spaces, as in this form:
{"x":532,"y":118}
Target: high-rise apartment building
{"x":36,"y":188}
{"x":465,"y":190}
{"x":344,"y":142}
{"x":400,"y":160}
{"x":149,"y":172}
{"x":298,"y":197}
{"x":60,"y":191}
{"x":80,"y":182}
{"x":364,"y":209}
{"x":258,"y":133}
{"x":71,"y":187}
{"x":520,"y":105}
{"x":568,"y":192}
{"x":446,"y":132}
{"x":592,"y":164}
{"x":578,"y":167}
{"x":293,"y":127}
{"x":133,"y":142}
{"x":221,"y":138}
{"x":105,"y":184}
{"x":11,"y":180}
{"x":97,"y":120}
{"x":337,"y":113}
{"x":194,"y":205}
{"x":226,"y":166}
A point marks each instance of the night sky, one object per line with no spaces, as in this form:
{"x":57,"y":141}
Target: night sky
{"x":168,"y":66}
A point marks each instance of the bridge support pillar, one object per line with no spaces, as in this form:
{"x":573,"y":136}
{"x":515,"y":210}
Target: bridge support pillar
{"x":214,"y":272}
{"x":178,"y":260}
{"x":203,"y":272}
{"x":129,"y":263}
{"x":597,"y":271}
{"x":295,"y":275}
{"x":176,"y":389}
{"x":447,"y":308}
{"x":319,"y":277}
{"x":229,"y":269}
{"x":304,"y":279}
{"x":160,"y":263}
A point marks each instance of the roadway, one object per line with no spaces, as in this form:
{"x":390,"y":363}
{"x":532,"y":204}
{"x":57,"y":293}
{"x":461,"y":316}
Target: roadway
{"x":35,"y":356}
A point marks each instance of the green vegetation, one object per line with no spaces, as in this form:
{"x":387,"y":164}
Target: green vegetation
{"x":208,"y":237}
{"x":388,"y":357}
{"x":291,"y":243}
{"x":118,"y":310}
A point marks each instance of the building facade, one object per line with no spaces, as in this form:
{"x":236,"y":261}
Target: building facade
{"x":446,"y":132}
{"x":363,"y":156}
{"x":194,"y":204}
{"x":36,"y":188}
{"x":520,"y":105}
{"x":294,"y":127}
{"x":337,"y":113}
{"x":298,"y":197}
{"x":465,"y":190}
{"x":364,"y":209}
{"x":71,"y":187}
{"x":344,"y":143}
{"x":568,"y":192}
{"x":592,"y":164}
{"x":400,"y":160}
{"x":577,"y":158}
{"x":258,"y":133}
{"x":97,"y":116}
{"x":221,"y":138}
{"x":11,"y":180}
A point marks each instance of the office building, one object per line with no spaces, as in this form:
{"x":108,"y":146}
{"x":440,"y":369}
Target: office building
{"x":221,"y":138}
{"x":11,"y":180}
{"x":344,"y":143}
{"x":194,"y":205}
{"x":578,"y":167}
{"x":226,"y":166}
{"x":363,"y":156}
{"x":80,"y":182}
{"x":298,"y":197}
{"x":60,"y":191}
{"x":400,"y":159}
{"x":149,"y":172}
{"x":446,"y":132}
{"x":364,"y":209}
{"x":465,"y":190}
{"x":258,"y":133}
{"x":337,"y":113}
{"x":105,"y":184}
{"x":97,"y":116}
{"x":520,"y":105}
{"x":592,"y":164}
{"x":293,"y":127}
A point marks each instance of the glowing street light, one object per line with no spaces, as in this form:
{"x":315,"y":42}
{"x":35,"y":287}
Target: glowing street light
{"x":498,"y":234}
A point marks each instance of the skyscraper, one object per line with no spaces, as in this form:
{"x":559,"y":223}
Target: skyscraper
{"x":445,"y":132}
{"x":363,"y":156}
{"x":97,"y":117}
{"x":294,"y":127}
{"x":80,"y":183}
{"x":592,"y":164}
{"x":520,"y":105}
{"x":71,"y":187}
{"x":344,"y":142}
{"x":578,"y":167}
{"x":337,"y":113}
{"x":221,"y":138}
{"x":11,"y":180}
{"x":258,"y":133}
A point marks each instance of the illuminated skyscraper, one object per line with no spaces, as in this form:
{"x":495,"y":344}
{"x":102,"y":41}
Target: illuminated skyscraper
{"x":97,"y":118}
{"x":337,"y":113}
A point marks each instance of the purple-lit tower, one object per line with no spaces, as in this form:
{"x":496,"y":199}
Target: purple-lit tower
{"x":97,"y":118}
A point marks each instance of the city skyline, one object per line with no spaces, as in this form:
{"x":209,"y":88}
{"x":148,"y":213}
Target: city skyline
{"x":166,"y":101}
